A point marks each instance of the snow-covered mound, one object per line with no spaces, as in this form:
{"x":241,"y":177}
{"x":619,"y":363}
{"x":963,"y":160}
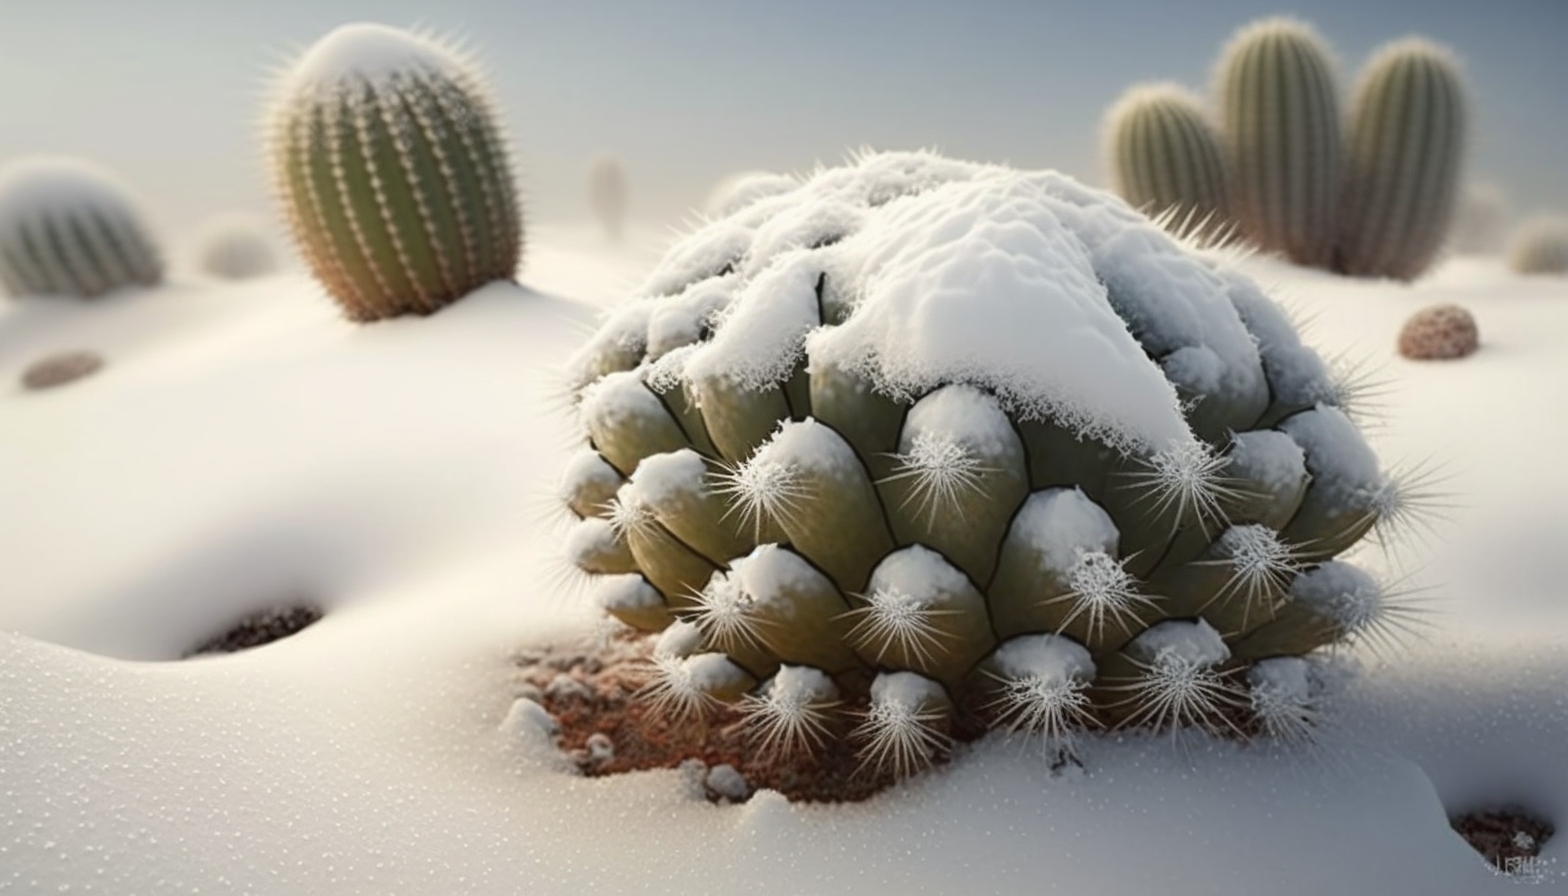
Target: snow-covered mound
{"x":243,"y":443}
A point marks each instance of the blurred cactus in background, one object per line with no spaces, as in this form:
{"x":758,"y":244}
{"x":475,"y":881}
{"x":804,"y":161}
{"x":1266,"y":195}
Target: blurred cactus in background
{"x":1374,"y":201}
{"x":69,"y":228}
{"x":393,"y":172}
{"x":1480,"y":225}
{"x":607,"y":194}
{"x":1279,"y":113}
{"x":1540,"y":246}
{"x":847,"y":519}
{"x":1406,"y":144}
{"x":1166,"y":159}
{"x":234,"y":247}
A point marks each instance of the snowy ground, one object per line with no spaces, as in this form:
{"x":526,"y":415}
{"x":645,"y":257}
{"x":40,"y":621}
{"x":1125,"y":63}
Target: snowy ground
{"x":243,"y":446}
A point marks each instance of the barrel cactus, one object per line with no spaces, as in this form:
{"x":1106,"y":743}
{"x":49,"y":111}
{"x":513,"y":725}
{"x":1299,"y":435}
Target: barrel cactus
{"x":1540,"y":246}
{"x":1404,"y":149}
{"x":1279,"y":112}
{"x":69,"y":228}
{"x":921,"y":443}
{"x":1166,"y":158}
{"x":392,"y":172}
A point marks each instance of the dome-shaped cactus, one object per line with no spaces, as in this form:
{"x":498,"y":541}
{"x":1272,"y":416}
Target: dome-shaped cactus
{"x":234,"y":246}
{"x":921,"y":440}
{"x":69,"y":228}
{"x":393,"y":173}
{"x":1167,"y":160}
{"x":1540,"y":246}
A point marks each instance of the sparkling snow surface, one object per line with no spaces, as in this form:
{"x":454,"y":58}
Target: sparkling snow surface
{"x":243,"y":446}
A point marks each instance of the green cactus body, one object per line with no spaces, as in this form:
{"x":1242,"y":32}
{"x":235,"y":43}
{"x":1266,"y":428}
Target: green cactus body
{"x":1405,"y":147}
{"x":1281,"y":124}
{"x":68,"y":228}
{"x":392,"y":173}
{"x":1167,"y":160}
{"x":1009,"y":502}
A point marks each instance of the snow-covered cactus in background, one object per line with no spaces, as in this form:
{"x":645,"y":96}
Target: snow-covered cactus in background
{"x":69,"y":228}
{"x":235,"y":246}
{"x":920,"y":442}
{"x":1481,"y":220}
{"x":1405,"y":146}
{"x":393,"y":172}
{"x":1279,"y":112}
{"x":607,"y":194}
{"x":1540,"y":246}
{"x":1166,"y":159}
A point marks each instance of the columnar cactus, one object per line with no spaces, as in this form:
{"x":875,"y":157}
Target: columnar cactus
{"x":921,"y":440}
{"x":1166,"y":158}
{"x":607,"y":194}
{"x":1540,"y":246}
{"x":1279,"y":110}
{"x":1405,"y":146}
{"x":69,"y":228}
{"x":393,"y":173}
{"x":235,"y":247}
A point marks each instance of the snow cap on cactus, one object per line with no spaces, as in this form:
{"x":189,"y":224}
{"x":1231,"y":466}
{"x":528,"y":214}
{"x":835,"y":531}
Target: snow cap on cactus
{"x":68,"y":227}
{"x":917,"y":440}
{"x":393,"y":172}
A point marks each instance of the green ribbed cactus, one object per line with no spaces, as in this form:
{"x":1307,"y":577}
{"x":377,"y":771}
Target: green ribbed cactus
{"x":69,"y":228}
{"x":393,"y":173}
{"x":1405,"y":148}
{"x":1540,"y":246}
{"x":1166,"y":159}
{"x":1279,"y":112}
{"x":923,"y":441}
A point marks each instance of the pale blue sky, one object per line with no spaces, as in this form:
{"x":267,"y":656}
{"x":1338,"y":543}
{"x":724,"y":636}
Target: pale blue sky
{"x":686,"y":91}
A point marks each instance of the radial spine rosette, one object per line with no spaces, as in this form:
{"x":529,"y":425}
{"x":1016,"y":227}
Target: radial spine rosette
{"x":918,"y":442}
{"x":69,"y":228}
{"x":393,"y":172}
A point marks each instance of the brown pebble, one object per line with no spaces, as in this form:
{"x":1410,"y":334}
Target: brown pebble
{"x":1439,"y":333}
{"x":59,"y":369}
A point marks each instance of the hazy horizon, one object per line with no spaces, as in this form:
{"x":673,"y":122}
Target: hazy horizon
{"x":168,"y":94}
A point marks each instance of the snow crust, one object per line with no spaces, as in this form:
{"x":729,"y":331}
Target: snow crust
{"x":771,"y":571}
{"x":964,"y":415}
{"x":661,"y":478}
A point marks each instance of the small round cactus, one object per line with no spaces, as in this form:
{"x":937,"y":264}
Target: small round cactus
{"x":1166,"y":159}
{"x":1279,"y":105}
{"x":922,"y":443}
{"x":607,"y":194}
{"x":1439,"y":333}
{"x":1405,"y":148}
{"x":393,"y":173}
{"x":234,"y":247}
{"x":69,"y":228}
{"x":1480,"y":225}
{"x":1540,"y":246}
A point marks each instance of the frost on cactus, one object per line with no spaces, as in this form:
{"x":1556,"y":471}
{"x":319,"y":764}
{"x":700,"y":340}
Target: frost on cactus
{"x":392,"y":172}
{"x":918,"y":447}
{"x":69,"y":228}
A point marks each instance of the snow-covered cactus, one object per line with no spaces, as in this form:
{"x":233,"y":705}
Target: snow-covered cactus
{"x":69,"y":228}
{"x":919,"y":440}
{"x":1279,"y":107}
{"x":235,"y":246}
{"x":1166,"y":159}
{"x":1405,"y":146}
{"x":393,"y":172}
{"x":607,"y":194}
{"x":1540,"y":246}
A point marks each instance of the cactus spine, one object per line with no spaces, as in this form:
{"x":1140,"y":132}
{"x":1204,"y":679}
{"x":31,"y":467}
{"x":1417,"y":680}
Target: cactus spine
{"x":393,"y":173}
{"x":1280,"y":118}
{"x":68,"y":228}
{"x":1166,"y":158}
{"x":1405,"y":146}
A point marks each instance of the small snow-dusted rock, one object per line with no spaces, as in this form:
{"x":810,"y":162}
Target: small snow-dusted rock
{"x":1439,"y":333}
{"x":724,"y":782}
{"x":532,"y":727}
